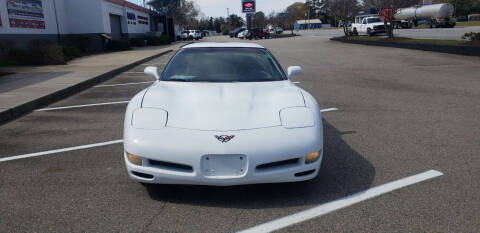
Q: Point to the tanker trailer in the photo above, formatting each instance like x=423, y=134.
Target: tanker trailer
x=435, y=15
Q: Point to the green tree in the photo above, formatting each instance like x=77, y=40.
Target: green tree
x=235, y=21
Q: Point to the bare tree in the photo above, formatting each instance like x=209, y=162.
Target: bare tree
x=343, y=10
x=259, y=19
x=183, y=12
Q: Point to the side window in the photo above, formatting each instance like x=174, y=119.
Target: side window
x=364, y=21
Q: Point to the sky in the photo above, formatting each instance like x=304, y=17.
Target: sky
x=216, y=8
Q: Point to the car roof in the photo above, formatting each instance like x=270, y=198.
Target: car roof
x=223, y=45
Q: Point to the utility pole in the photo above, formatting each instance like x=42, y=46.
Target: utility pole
x=228, y=19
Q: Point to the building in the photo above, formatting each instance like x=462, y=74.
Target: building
x=364, y=13
x=22, y=21
x=309, y=24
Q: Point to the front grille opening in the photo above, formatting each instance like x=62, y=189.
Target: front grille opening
x=142, y=175
x=305, y=173
x=171, y=166
x=278, y=164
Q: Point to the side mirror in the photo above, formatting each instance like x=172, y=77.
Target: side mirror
x=152, y=71
x=294, y=70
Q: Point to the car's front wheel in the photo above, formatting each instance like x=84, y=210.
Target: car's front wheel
x=369, y=32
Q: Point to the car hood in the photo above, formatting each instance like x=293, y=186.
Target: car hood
x=223, y=106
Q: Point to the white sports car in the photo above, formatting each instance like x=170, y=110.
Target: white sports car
x=223, y=114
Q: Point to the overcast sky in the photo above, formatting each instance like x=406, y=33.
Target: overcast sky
x=217, y=8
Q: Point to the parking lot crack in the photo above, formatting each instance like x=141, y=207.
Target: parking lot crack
x=150, y=221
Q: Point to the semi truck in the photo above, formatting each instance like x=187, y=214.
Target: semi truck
x=434, y=15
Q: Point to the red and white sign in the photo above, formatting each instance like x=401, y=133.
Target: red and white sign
x=24, y=23
x=26, y=14
x=248, y=6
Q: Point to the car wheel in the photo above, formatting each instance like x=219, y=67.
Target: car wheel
x=369, y=32
x=355, y=32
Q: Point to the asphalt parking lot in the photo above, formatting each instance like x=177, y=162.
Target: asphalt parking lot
x=400, y=113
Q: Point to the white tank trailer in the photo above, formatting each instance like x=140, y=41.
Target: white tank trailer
x=435, y=15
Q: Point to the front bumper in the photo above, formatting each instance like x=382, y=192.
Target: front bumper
x=295, y=172
x=271, y=155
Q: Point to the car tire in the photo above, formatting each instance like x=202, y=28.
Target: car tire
x=355, y=32
x=369, y=32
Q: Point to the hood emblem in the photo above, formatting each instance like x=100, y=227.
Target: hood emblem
x=224, y=138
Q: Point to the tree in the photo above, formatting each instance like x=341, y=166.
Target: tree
x=259, y=20
x=295, y=12
x=343, y=10
x=185, y=14
x=235, y=21
x=217, y=23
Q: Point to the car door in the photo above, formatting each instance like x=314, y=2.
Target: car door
x=363, y=26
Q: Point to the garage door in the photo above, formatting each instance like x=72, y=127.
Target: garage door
x=116, y=27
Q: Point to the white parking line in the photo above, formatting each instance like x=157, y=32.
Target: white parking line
x=123, y=84
x=329, y=110
x=342, y=203
x=80, y=106
x=5, y=159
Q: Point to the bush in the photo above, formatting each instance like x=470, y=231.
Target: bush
x=25, y=57
x=157, y=40
x=137, y=42
x=5, y=45
x=70, y=52
x=79, y=41
x=40, y=52
x=52, y=55
x=472, y=36
x=119, y=45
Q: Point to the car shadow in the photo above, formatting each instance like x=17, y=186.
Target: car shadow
x=343, y=172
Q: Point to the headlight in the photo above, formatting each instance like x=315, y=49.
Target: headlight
x=313, y=157
x=297, y=117
x=149, y=118
x=135, y=159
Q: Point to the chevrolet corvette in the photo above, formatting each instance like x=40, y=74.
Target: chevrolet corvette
x=223, y=114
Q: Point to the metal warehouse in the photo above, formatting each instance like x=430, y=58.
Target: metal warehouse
x=24, y=20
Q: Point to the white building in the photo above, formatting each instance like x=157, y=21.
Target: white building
x=25, y=20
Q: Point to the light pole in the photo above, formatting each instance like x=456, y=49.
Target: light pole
x=228, y=19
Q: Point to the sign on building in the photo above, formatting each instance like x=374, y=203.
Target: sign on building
x=248, y=6
x=26, y=14
x=142, y=20
x=131, y=18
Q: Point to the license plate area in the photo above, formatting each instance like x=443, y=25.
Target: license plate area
x=224, y=165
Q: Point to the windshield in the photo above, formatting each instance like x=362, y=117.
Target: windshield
x=374, y=20
x=223, y=65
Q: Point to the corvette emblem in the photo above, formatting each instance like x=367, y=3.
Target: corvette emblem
x=224, y=138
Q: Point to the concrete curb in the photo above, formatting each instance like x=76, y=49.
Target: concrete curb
x=25, y=108
x=452, y=49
